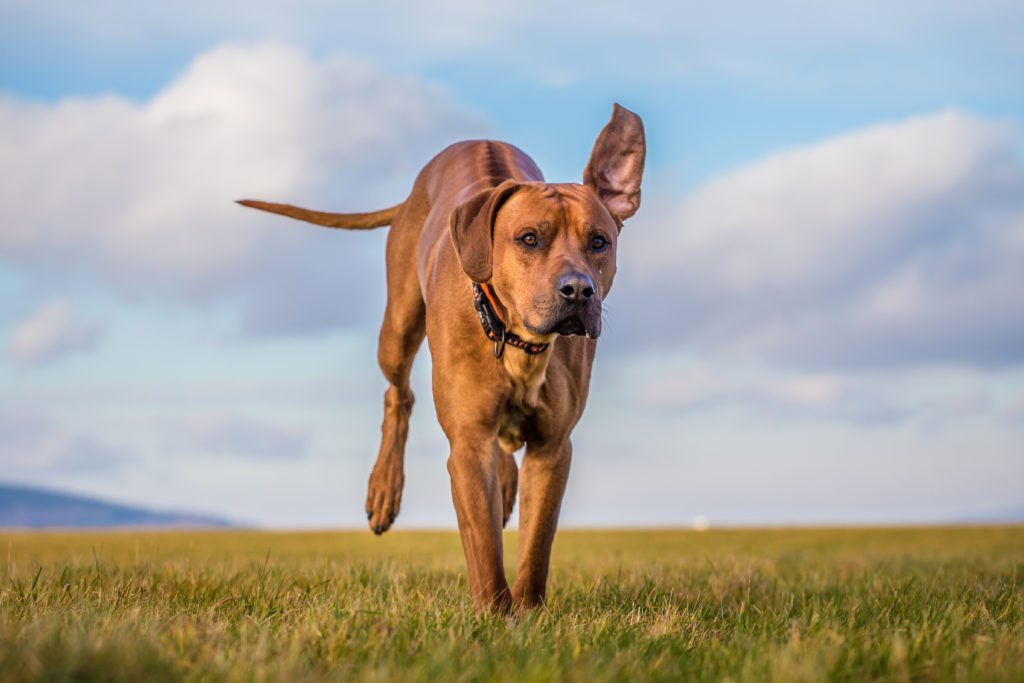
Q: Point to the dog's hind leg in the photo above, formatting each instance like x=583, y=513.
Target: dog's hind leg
x=508, y=474
x=400, y=337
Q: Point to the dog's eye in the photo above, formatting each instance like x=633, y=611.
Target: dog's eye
x=529, y=239
x=598, y=243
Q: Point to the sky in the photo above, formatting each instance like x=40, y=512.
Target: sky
x=818, y=313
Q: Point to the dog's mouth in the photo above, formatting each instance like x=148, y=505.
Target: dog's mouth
x=571, y=325
x=568, y=321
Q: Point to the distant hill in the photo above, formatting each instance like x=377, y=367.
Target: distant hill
x=26, y=507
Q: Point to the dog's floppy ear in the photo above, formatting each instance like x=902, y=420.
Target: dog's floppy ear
x=472, y=228
x=617, y=163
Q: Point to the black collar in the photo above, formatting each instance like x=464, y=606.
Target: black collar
x=494, y=327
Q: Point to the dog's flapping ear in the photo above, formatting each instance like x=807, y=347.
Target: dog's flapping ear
x=616, y=165
x=472, y=228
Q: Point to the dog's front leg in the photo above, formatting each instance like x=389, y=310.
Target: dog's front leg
x=542, y=480
x=476, y=491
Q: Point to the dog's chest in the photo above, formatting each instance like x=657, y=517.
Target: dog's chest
x=526, y=374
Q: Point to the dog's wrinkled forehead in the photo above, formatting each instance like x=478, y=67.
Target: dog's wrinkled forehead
x=555, y=204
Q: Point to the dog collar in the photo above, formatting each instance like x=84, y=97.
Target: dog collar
x=494, y=326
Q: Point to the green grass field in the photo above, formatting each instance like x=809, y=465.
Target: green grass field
x=743, y=605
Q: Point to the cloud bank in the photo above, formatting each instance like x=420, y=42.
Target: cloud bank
x=231, y=434
x=49, y=333
x=804, y=45
x=895, y=244
x=33, y=446
x=139, y=195
x=899, y=244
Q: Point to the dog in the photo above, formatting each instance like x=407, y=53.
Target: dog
x=505, y=275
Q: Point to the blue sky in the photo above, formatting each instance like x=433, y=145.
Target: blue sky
x=817, y=316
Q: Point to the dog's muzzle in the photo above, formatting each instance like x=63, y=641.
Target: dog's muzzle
x=581, y=310
x=572, y=308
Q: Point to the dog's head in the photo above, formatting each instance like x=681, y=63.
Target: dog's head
x=548, y=250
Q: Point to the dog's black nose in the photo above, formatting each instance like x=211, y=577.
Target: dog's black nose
x=575, y=288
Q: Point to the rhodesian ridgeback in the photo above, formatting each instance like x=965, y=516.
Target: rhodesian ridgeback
x=505, y=275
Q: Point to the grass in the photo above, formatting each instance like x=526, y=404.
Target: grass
x=741, y=605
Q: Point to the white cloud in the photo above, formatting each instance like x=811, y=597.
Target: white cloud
x=689, y=38
x=140, y=195
x=897, y=244
x=677, y=385
x=1013, y=411
x=691, y=386
x=50, y=332
x=232, y=434
x=34, y=446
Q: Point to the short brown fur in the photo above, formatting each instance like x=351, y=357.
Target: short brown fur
x=480, y=211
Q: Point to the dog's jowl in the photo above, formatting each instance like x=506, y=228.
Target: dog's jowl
x=505, y=275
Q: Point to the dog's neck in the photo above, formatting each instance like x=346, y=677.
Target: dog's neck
x=493, y=316
x=527, y=361
x=526, y=370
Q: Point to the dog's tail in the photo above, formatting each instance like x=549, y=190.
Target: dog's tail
x=345, y=221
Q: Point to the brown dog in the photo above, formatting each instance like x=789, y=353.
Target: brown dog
x=484, y=255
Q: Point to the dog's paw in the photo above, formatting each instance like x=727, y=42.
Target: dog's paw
x=384, y=498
